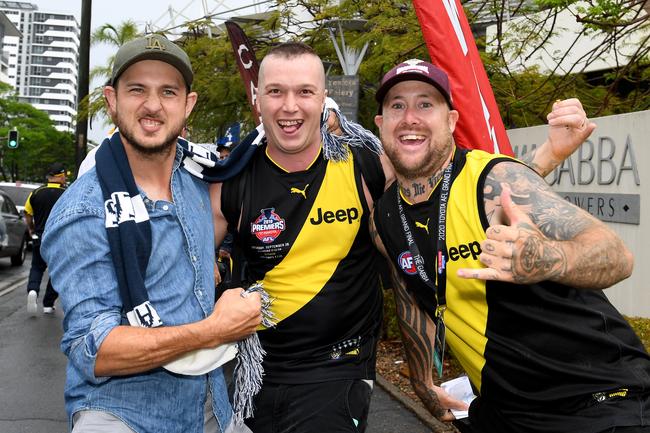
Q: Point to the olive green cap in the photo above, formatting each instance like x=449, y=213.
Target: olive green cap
x=152, y=47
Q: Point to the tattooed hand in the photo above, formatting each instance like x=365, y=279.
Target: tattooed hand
x=518, y=252
x=438, y=402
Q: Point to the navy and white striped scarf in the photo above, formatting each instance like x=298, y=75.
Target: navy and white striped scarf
x=127, y=220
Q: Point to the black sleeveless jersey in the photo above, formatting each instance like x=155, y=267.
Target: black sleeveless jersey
x=541, y=355
x=305, y=236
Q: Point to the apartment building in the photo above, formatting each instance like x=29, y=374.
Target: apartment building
x=7, y=28
x=43, y=62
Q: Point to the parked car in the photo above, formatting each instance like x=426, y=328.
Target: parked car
x=13, y=231
x=18, y=192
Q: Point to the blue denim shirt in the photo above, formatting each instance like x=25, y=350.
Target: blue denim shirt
x=180, y=284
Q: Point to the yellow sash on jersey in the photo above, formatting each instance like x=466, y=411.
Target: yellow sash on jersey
x=325, y=239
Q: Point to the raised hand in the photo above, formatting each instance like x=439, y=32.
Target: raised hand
x=569, y=127
x=517, y=252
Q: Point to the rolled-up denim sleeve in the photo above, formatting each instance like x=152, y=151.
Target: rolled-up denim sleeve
x=75, y=246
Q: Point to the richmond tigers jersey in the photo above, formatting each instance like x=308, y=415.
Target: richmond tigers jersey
x=536, y=352
x=305, y=236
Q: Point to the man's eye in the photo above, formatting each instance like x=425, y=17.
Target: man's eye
x=397, y=106
x=169, y=92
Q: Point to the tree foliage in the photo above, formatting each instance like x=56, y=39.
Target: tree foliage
x=41, y=144
x=93, y=104
x=393, y=34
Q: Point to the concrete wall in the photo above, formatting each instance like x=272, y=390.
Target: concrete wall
x=606, y=178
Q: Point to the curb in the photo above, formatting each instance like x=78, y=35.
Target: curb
x=421, y=413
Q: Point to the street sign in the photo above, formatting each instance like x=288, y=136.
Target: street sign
x=344, y=89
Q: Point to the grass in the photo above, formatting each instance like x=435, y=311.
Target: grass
x=642, y=328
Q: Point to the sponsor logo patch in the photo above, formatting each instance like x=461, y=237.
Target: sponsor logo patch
x=406, y=263
x=268, y=226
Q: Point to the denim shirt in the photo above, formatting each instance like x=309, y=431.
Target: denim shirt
x=180, y=285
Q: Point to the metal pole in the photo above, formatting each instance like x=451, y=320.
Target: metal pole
x=81, y=132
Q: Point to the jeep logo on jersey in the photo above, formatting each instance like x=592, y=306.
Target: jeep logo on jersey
x=406, y=263
x=268, y=226
x=341, y=215
x=463, y=251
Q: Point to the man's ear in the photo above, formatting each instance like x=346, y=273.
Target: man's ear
x=110, y=97
x=452, y=119
x=379, y=119
x=190, y=101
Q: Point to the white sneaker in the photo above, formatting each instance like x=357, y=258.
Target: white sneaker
x=48, y=310
x=32, y=307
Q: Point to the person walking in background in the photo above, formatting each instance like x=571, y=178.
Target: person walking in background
x=38, y=206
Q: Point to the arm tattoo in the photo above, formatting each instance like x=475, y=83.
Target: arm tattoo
x=555, y=217
x=418, y=332
x=528, y=158
x=580, y=251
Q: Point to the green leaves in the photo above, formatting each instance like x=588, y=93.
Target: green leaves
x=41, y=144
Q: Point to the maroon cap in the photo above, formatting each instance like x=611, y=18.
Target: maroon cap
x=415, y=69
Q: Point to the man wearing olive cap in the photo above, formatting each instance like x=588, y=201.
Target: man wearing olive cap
x=130, y=243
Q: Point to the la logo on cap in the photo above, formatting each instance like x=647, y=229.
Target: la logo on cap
x=412, y=65
x=154, y=43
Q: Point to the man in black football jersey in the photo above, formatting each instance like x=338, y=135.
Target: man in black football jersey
x=300, y=213
x=487, y=257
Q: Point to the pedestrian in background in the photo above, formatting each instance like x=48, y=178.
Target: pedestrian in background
x=38, y=206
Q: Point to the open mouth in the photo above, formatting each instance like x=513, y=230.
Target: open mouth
x=290, y=126
x=150, y=125
x=411, y=139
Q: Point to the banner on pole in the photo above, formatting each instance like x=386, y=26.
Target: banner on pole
x=451, y=46
x=246, y=62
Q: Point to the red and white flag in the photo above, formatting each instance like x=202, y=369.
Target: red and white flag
x=451, y=46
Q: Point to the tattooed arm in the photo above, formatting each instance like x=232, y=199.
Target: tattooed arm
x=418, y=334
x=569, y=127
x=535, y=235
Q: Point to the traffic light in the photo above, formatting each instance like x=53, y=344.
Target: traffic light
x=12, y=141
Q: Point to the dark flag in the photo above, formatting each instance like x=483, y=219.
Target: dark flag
x=246, y=62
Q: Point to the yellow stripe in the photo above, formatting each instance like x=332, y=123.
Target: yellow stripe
x=467, y=309
x=318, y=249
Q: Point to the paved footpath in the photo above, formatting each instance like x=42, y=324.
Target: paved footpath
x=32, y=373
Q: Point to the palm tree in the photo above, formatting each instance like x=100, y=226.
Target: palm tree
x=93, y=104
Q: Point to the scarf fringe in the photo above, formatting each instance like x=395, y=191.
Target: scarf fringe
x=354, y=135
x=248, y=370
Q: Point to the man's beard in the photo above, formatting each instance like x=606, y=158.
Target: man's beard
x=163, y=148
x=428, y=166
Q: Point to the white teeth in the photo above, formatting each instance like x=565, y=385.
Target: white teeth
x=149, y=122
x=412, y=137
x=289, y=122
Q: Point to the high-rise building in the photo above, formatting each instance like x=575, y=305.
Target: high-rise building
x=43, y=62
x=7, y=28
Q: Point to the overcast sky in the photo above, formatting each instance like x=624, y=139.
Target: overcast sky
x=142, y=12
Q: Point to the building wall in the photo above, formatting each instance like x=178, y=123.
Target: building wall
x=7, y=28
x=43, y=63
x=518, y=46
x=606, y=178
